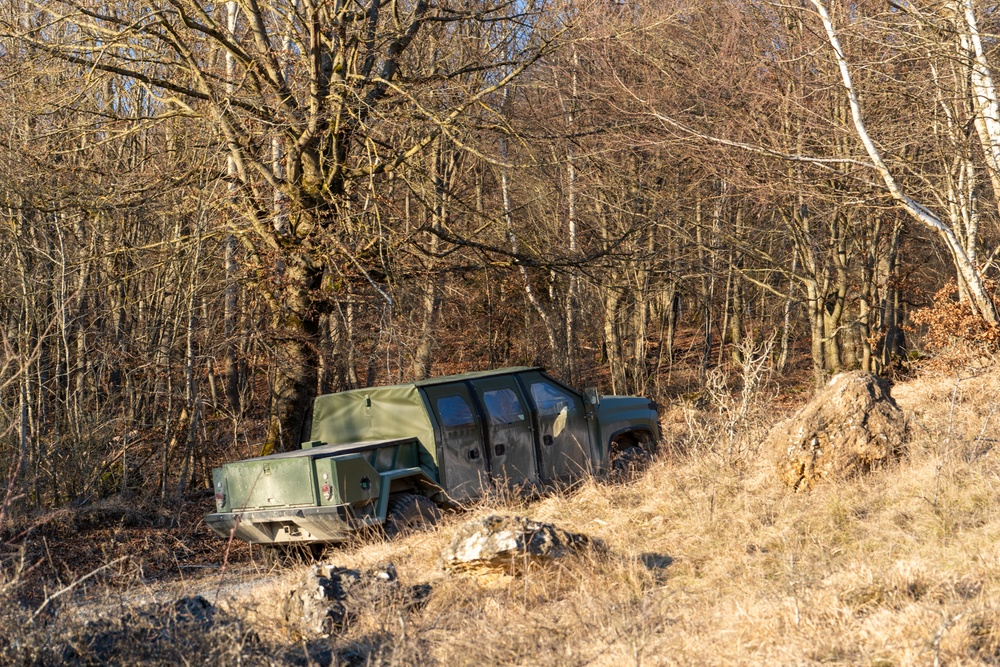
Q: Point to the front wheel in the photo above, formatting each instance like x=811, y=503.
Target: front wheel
x=408, y=512
x=630, y=453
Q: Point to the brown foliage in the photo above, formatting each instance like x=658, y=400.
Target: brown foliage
x=952, y=321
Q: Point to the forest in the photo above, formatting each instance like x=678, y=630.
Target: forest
x=210, y=212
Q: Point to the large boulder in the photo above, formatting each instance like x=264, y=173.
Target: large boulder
x=850, y=427
x=510, y=543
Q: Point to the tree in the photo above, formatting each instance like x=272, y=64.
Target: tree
x=319, y=104
x=986, y=120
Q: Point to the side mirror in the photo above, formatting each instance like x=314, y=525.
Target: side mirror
x=592, y=396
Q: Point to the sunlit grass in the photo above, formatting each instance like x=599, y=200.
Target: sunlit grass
x=710, y=561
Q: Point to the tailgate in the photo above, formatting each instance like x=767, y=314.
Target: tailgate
x=271, y=482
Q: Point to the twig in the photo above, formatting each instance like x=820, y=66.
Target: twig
x=947, y=442
x=225, y=556
x=69, y=587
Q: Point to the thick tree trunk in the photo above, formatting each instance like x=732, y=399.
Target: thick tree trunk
x=864, y=322
x=814, y=305
x=612, y=341
x=295, y=371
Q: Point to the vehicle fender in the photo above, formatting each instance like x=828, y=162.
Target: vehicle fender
x=417, y=475
x=633, y=429
x=620, y=414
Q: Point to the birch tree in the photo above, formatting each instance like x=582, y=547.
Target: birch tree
x=986, y=118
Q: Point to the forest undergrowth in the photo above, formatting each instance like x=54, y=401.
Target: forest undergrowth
x=709, y=560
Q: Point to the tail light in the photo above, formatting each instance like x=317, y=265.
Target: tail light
x=220, y=496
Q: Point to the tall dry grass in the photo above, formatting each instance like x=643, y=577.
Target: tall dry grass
x=710, y=561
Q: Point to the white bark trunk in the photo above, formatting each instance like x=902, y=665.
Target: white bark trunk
x=983, y=89
x=979, y=299
x=231, y=367
x=529, y=290
x=571, y=288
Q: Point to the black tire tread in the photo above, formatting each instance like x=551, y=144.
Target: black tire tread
x=409, y=511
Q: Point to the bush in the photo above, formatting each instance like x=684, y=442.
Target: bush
x=953, y=323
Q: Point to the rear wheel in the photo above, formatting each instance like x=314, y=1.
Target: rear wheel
x=408, y=512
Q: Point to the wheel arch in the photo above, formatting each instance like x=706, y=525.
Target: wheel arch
x=407, y=480
x=630, y=436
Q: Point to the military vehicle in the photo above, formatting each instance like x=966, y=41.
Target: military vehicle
x=391, y=456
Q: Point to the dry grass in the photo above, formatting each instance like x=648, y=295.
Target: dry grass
x=710, y=561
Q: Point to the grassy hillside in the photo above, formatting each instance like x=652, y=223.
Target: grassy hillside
x=709, y=561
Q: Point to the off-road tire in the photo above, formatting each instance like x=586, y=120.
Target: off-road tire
x=630, y=459
x=408, y=512
x=630, y=455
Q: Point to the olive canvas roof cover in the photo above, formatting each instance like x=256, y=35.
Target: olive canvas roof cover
x=386, y=413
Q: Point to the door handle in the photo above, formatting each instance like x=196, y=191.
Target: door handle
x=500, y=450
x=547, y=440
x=473, y=454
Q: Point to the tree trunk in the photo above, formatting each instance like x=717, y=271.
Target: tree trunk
x=612, y=341
x=815, y=308
x=431, y=300
x=979, y=299
x=736, y=323
x=230, y=363
x=296, y=362
x=786, y=324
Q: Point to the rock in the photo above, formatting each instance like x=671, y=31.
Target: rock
x=852, y=426
x=510, y=544
x=327, y=597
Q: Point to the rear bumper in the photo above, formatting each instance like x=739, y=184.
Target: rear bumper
x=286, y=526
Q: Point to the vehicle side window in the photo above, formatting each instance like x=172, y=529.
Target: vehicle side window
x=551, y=400
x=503, y=406
x=454, y=412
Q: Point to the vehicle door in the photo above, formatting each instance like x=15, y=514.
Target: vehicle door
x=566, y=450
x=509, y=433
x=462, y=461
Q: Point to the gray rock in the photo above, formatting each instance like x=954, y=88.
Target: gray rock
x=852, y=426
x=510, y=544
x=327, y=598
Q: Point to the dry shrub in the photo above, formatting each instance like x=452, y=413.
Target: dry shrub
x=739, y=407
x=954, y=330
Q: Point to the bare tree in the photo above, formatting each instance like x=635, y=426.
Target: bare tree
x=985, y=96
x=337, y=103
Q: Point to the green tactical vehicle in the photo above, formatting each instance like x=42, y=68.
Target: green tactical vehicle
x=391, y=456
